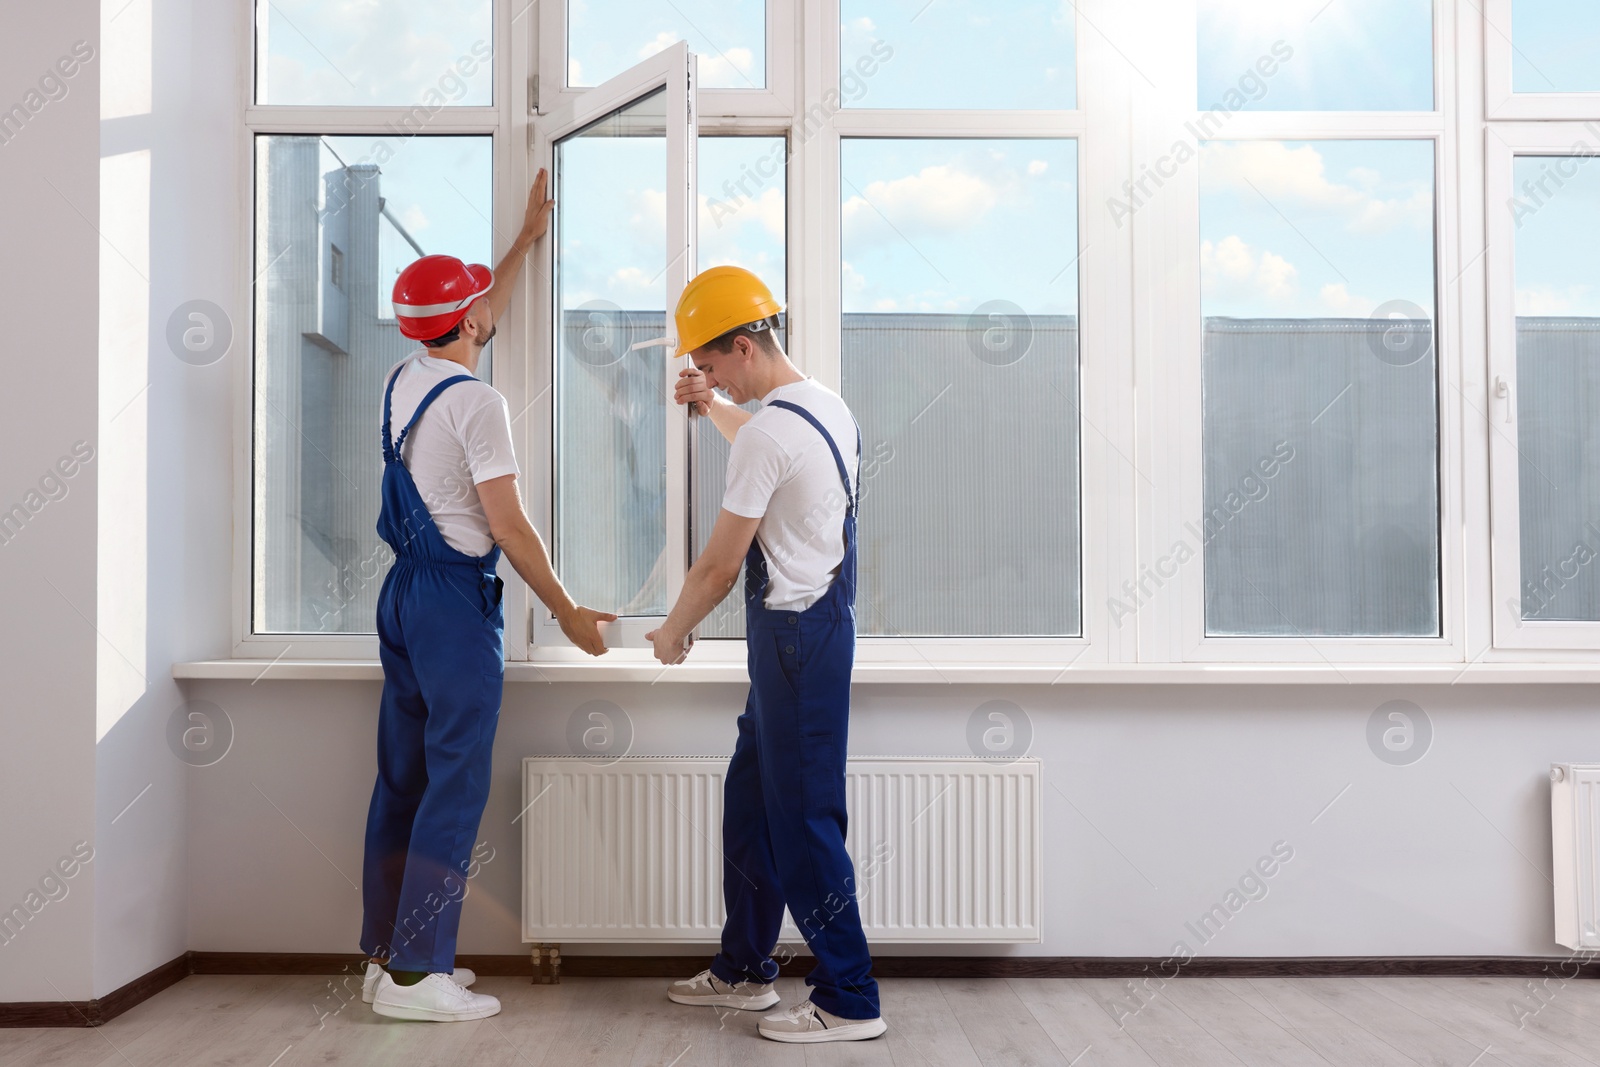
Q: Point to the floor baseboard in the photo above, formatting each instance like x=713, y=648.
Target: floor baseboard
x=96, y=1012
x=100, y=1010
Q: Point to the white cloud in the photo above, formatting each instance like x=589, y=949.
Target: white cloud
x=1365, y=177
x=937, y=199
x=851, y=279
x=1231, y=269
x=1276, y=276
x=1299, y=175
x=650, y=208
x=1336, y=297
x=366, y=54
x=862, y=25
x=732, y=67
x=663, y=41
x=413, y=219
x=574, y=72
x=631, y=282
x=1037, y=167
x=1548, y=300
x=765, y=210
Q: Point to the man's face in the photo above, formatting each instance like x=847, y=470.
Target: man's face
x=482, y=327
x=723, y=370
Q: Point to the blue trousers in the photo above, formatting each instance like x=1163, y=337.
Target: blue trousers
x=439, y=638
x=783, y=818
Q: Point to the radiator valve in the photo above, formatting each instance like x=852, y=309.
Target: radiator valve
x=546, y=964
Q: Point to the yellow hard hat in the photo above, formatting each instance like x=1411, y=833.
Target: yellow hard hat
x=718, y=300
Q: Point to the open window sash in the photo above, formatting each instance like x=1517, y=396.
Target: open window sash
x=621, y=249
x=1544, y=547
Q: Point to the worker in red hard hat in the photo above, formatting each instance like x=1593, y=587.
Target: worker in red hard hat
x=450, y=508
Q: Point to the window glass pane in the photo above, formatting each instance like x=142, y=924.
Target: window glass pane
x=1314, y=55
x=611, y=411
x=1553, y=46
x=742, y=222
x=606, y=37
x=1320, y=414
x=960, y=301
x=430, y=54
x=957, y=54
x=1558, y=386
x=336, y=219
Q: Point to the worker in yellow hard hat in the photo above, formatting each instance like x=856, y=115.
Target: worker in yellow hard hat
x=789, y=516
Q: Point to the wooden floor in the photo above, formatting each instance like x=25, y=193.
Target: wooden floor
x=278, y=1021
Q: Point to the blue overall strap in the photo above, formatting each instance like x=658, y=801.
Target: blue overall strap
x=391, y=452
x=852, y=489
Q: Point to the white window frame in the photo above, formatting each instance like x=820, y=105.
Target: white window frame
x=812, y=254
x=1504, y=143
x=773, y=101
x=503, y=121
x=1500, y=101
x=1139, y=357
x=821, y=316
x=1167, y=298
x=671, y=71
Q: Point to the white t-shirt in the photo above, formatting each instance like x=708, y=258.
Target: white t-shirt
x=781, y=471
x=462, y=439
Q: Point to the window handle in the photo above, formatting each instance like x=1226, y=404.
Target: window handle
x=1502, y=391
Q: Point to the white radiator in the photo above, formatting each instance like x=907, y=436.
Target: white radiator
x=945, y=850
x=1575, y=852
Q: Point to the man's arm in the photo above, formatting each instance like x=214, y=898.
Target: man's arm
x=511, y=530
x=725, y=414
x=710, y=579
x=535, y=221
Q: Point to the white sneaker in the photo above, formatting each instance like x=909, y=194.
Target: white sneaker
x=461, y=976
x=805, y=1022
x=434, y=999
x=707, y=988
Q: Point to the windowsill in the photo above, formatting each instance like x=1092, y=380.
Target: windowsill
x=922, y=673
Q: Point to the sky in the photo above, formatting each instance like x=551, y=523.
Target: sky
x=606, y=37
x=1554, y=43
x=1345, y=55
x=373, y=52
x=947, y=225
x=1287, y=229
x=614, y=216
x=1307, y=229
x=440, y=188
x=1024, y=47
x=961, y=53
x=1557, y=275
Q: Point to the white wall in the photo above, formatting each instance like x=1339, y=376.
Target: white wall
x=48, y=184
x=97, y=583
x=1158, y=797
x=168, y=191
x=1157, y=800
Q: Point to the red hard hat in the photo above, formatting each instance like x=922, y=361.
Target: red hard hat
x=434, y=293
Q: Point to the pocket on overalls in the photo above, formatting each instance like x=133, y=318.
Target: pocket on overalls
x=492, y=594
x=821, y=777
x=786, y=655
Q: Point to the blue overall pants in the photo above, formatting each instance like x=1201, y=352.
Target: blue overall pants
x=440, y=623
x=783, y=816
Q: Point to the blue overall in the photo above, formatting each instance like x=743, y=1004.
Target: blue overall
x=439, y=637
x=783, y=816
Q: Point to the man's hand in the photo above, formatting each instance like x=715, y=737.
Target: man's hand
x=582, y=627
x=536, y=219
x=535, y=222
x=692, y=389
x=670, y=649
